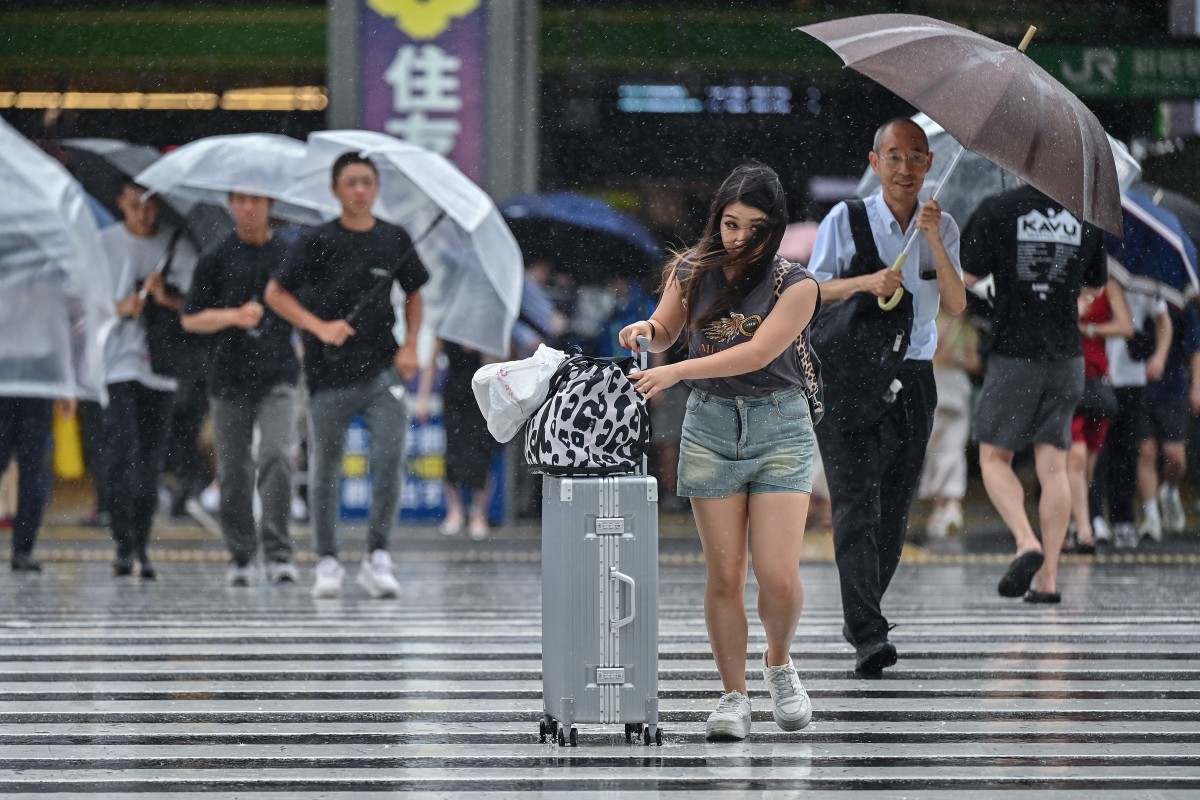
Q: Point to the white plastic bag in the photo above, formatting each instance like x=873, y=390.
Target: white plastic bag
x=508, y=393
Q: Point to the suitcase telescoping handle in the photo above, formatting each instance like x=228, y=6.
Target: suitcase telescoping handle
x=623, y=578
x=643, y=360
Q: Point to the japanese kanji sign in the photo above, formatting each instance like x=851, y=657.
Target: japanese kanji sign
x=422, y=75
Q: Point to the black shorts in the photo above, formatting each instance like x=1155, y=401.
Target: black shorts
x=1163, y=419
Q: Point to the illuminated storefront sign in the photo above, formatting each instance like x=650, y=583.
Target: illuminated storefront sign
x=422, y=75
x=656, y=98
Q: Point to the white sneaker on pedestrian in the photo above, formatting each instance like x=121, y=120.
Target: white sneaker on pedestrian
x=1151, y=527
x=1124, y=536
x=1173, y=518
x=1100, y=530
x=328, y=578
x=478, y=529
x=239, y=575
x=790, y=704
x=731, y=719
x=282, y=572
x=376, y=576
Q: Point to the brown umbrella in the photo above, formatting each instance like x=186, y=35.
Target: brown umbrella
x=993, y=99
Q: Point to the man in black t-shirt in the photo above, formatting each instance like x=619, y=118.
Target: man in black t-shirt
x=252, y=383
x=1040, y=256
x=354, y=367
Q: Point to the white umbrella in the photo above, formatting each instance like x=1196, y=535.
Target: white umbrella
x=56, y=306
x=207, y=170
x=475, y=266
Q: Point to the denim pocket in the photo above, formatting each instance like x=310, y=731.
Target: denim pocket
x=695, y=400
x=792, y=407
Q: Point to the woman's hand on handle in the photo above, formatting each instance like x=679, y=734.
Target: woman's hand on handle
x=629, y=335
x=652, y=382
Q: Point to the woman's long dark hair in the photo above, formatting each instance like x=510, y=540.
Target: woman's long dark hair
x=752, y=184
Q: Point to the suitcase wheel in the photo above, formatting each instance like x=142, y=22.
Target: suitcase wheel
x=562, y=737
x=542, y=731
x=658, y=737
x=574, y=737
x=646, y=736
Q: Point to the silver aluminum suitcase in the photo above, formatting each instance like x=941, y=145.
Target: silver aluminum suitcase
x=600, y=605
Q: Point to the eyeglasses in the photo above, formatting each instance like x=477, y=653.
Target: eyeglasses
x=915, y=160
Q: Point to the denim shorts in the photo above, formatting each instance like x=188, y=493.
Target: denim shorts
x=746, y=444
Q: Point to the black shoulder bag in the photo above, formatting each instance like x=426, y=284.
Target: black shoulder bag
x=861, y=345
x=171, y=349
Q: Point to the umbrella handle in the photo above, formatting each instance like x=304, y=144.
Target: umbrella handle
x=894, y=300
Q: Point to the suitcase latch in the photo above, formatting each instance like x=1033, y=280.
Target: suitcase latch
x=610, y=525
x=610, y=675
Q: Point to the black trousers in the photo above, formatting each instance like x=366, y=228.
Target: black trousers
x=873, y=476
x=25, y=431
x=136, y=424
x=1116, y=468
x=95, y=454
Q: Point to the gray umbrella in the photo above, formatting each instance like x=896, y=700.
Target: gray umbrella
x=993, y=99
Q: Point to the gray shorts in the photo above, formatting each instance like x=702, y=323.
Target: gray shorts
x=1026, y=402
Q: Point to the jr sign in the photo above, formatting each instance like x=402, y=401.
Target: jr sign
x=1124, y=72
x=422, y=75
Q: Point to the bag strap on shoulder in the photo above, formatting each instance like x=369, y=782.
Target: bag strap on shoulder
x=860, y=231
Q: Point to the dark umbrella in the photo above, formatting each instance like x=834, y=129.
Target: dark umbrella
x=993, y=99
x=585, y=237
x=1182, y=206
x=1156, y=256
x=104, y=166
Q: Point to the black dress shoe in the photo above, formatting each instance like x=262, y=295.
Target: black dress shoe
x=24, y=562
x=122, y=567
x=147, y=571
x=872, y=659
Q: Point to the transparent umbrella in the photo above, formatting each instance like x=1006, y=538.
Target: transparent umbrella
x=475, y=266
x=55, y=300
x=205, y=171
x=959, y=191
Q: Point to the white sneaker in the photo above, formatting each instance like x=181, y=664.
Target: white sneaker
x=239, y=576
x=478, y=530
x=1173, y=517
x=731, y=719
x=282, y=572
x=1151, y=527
x=1100, y=530
x=790, y=704
x=328, y=578
x=376, y=576
x=1124, y=536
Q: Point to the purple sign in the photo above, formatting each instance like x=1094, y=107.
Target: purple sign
x=422, y=75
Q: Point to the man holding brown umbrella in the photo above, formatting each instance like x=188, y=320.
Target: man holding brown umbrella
x=873, y=463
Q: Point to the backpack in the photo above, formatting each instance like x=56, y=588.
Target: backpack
x=863, y=345
x=594, y=422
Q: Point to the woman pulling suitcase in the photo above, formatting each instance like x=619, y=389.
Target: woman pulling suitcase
x=747, y=448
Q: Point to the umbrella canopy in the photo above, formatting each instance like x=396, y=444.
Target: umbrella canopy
x=975, y=177
x=1156, y=256
x=205, y=171
x=104, y=166
x=585, y=237
x=993, y=99
x=474, y=293
x=56, y=304
x=1182, y=206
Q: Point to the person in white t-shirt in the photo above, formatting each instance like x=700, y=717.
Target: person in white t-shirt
x=1116, y=471
x=138, y=417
